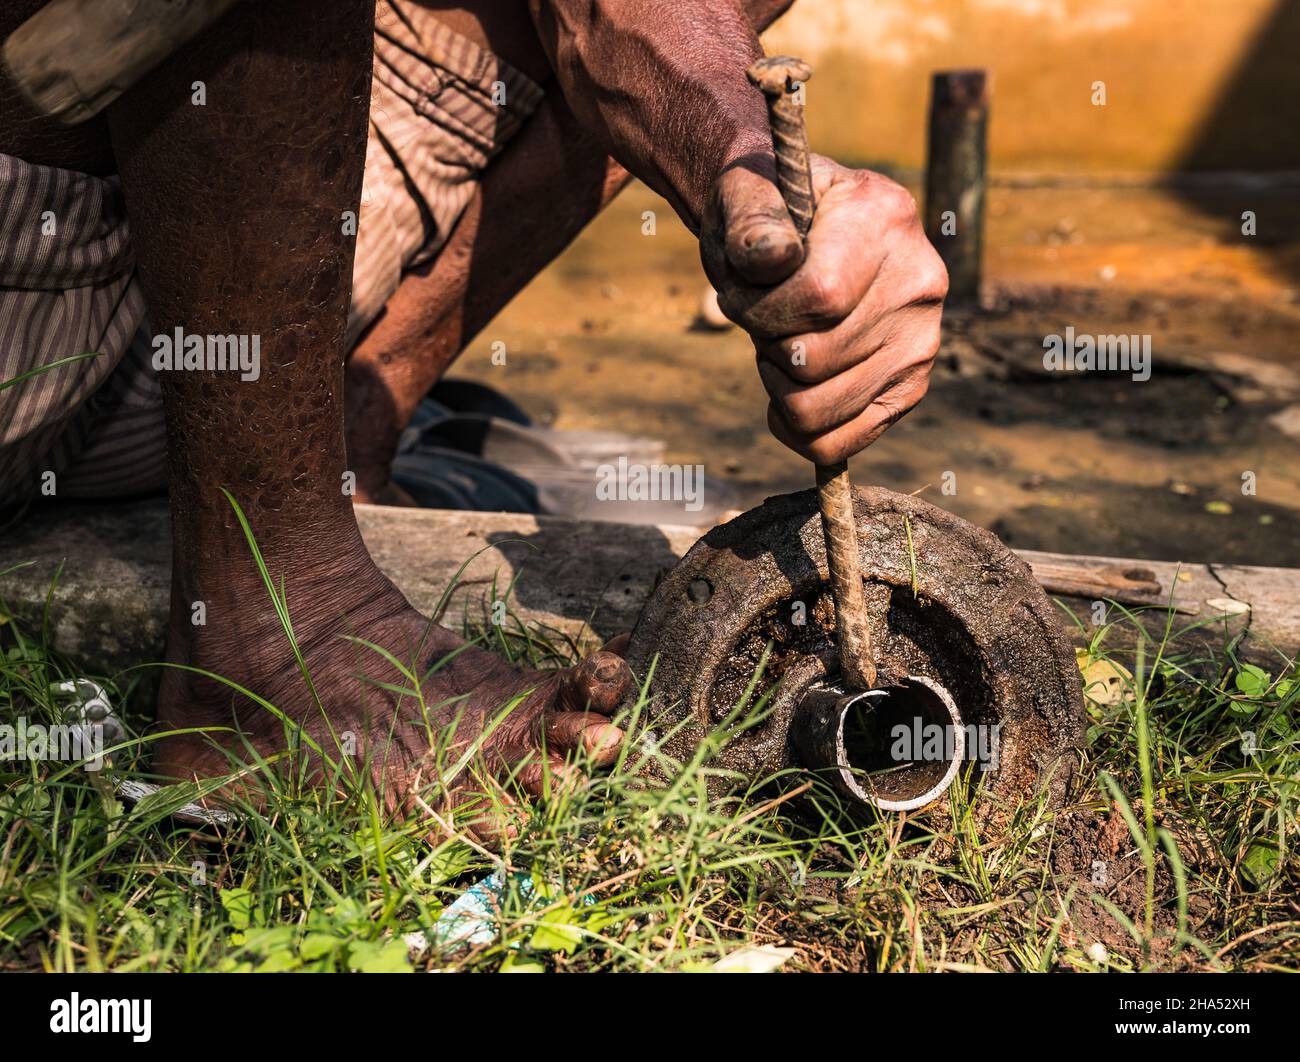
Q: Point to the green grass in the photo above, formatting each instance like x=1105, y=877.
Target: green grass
x=1198, y=838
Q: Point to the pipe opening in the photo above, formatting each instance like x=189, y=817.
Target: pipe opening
x=897, y=748
x=902, y=745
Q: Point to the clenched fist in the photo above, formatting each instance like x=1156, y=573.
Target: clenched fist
x=846, y=330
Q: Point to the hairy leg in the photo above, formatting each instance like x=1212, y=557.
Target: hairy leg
x=501, y=242
x=236, y=209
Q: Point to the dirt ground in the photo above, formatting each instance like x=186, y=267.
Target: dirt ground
x=1079, y=463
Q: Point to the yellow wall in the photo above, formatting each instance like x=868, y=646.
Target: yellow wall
x=1190, y=84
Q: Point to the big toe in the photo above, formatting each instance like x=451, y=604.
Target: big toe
x=598, y=684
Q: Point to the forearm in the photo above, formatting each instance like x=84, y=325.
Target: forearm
x=663, y=86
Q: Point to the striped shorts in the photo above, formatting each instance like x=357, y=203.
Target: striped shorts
x=440, y=109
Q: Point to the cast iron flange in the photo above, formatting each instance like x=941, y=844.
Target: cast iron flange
x=948, y=602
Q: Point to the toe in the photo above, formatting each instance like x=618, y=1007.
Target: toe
x=542, y=778
x=478, y=807
x=584, y=731
x=491, y=815
x=598, y=684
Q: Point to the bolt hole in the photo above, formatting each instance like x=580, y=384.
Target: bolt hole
x=699, y=591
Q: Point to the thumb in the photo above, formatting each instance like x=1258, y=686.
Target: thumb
x=761, y=241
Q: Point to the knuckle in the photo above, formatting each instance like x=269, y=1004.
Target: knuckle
x=804, y=374
x=896, y=203
x=933, y=277
x=799, y=412
x=830, y=298
x=922, y=389
x=899, y=402
x=892, y=407
x=926, y=283
x=825, y=451
x=797, y=361
x=927, y=350
x=729, y=306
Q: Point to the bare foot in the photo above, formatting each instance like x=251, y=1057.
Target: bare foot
x=354, y=710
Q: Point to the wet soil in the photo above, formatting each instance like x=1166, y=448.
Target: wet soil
x=1097, y=862
x=1080, y=463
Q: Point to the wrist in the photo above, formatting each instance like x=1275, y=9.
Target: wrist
x=710, y=158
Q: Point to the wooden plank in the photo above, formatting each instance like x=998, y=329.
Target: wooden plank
x=1217, y=600
x=585, y=579
x=74, y=57
x=108, y=609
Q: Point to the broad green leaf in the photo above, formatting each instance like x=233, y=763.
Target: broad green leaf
x=556, y=931
x=318, y=945
x=376, y=956
x=1252, y=681
x=238, y=905
x=1260, y=863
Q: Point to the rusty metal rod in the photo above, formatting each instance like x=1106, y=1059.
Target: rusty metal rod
x=781, y=77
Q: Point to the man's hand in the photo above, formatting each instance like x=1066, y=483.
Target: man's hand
x=845, y=332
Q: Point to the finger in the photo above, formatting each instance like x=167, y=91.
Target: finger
x=585, y=731
x=809, y=410
x=543, y=777
x=760, y=241
x=599, y=683
x=488, y=813
x=895, y=351
x=853, y=436
x=903, y=296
